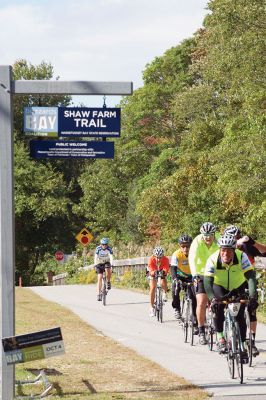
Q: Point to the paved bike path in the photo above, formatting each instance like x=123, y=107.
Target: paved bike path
x=126, y=319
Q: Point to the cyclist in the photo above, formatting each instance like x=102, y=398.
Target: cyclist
x=247, y=244
x=180, y=272
x=201, y=248
x=252, y=249
x=229, y=270
x=103, y=261
x=157, y=262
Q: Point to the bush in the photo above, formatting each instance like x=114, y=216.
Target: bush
x=87, y=277
x=47, y=264
x=132, y=279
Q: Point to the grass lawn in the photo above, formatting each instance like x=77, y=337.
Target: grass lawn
x=94, y=366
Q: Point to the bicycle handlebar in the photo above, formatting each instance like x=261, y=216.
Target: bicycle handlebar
x=159, y=273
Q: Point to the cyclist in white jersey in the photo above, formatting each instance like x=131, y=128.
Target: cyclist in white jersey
x=103, y=261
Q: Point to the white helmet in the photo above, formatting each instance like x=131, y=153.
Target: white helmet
x=207, y=228
x=158, y=251
x=227, y=242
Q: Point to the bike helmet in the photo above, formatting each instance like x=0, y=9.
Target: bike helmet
x=232, y=230
x=227, y=242
x=158, y=251
x=185, y=239
x=207, y=228
x=104, y=241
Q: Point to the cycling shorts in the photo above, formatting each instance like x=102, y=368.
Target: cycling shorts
x=252, y=314
x=199, y=287
x=100, y=268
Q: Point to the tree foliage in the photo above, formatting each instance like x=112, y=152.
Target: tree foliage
x=192, y=147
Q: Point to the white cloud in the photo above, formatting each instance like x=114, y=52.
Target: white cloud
x=96, y=39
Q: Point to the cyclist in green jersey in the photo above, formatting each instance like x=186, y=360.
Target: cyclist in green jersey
x=252, y=249
x=226, y=270
x=201, y=248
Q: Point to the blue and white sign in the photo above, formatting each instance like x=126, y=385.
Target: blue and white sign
x=72, y=121
x=41, y=121
x=71, y=149
x=89, y=122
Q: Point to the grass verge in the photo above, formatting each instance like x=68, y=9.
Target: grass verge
x=94, y=366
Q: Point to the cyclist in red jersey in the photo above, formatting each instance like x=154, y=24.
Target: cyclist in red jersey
x=157, y=262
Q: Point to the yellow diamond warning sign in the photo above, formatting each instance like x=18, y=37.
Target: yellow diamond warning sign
x=84, y=237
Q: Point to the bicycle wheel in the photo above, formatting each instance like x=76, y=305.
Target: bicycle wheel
x=209, y=330
x=249, y=337
x=230, y=358
x=158, y=290
x=104, y=293
x=239, y=362
x=185, y=321
x=160, y=306
x=182, y=301
x=190, y=323
x=229, y=346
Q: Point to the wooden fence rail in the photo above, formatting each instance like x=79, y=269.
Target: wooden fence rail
x=136, y=264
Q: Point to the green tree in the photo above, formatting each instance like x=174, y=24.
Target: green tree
x=44, y=190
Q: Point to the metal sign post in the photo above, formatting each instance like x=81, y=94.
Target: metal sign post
x=7, y=310
x=8, y=88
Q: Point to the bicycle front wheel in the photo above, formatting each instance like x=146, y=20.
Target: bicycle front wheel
x=230, y=359
x=157, y=302
x=190, y=323
x=185, y=321
x=182, y=304
x=104, y=294
x=160, y=308
x=209, y=329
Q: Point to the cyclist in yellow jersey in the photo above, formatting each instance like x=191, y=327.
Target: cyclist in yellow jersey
x=226, y=270
x=201, y=248
x=180, y=272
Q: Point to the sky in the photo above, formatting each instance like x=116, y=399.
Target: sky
x=96, y=40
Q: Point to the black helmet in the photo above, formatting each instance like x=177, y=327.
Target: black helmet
x=232, y=230
x=185, y=239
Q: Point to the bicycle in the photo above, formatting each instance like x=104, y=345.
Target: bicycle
x=104, y=290
x=158, y=303
x=187, y=318
x=234, y=345
x=209, y=327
